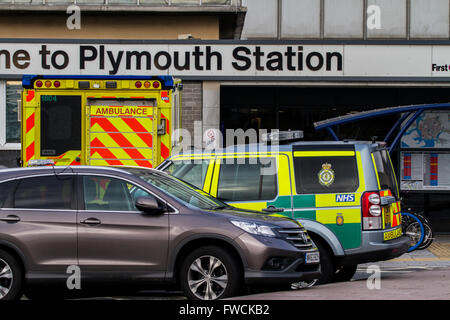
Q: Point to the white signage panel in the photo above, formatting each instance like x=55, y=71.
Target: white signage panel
x=233, y=60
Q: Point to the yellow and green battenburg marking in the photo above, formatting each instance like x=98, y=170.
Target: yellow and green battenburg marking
x=322, y=208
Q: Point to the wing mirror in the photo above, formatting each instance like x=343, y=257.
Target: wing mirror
x=149, y=205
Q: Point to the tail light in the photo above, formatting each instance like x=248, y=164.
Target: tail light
x=371, y=211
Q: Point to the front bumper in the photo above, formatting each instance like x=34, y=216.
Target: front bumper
x=258, y=250
x=374, y=248
x=298, y=272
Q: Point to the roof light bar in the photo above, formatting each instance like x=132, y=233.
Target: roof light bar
x=282, y=136
x=41, y=162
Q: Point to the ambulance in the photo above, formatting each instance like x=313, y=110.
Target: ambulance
x=345, y=194
x=99, y=120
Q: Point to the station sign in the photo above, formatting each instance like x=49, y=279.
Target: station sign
x=227, y=59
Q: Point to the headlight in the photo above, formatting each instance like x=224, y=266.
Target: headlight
x=254, y=228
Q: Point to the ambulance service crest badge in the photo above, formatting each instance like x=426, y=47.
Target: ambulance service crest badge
x=326, y=175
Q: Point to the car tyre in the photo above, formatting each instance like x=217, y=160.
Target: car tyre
x=11, y=277
x=210, y=273
x=326, y=264
x=345, y=273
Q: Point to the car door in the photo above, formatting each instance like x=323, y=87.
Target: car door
x=256, y=182
x=39, y=216
x=113, y=235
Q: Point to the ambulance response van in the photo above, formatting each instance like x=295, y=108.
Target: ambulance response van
x=345, y=194
x=99, y=120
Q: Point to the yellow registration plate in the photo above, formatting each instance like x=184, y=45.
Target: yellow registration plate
x=392, y=234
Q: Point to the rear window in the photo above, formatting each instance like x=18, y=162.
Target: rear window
x=49, y=192
x=325, y=174
x=385, y=171
x=60, y=124
x=5, y=190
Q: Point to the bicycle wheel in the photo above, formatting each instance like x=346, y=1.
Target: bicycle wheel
x=414, y=229
x=428, y=234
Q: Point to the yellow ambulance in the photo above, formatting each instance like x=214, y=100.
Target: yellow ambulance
x=99, y=120
x=344, y=193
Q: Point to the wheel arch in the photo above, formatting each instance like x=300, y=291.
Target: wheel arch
x=15, y=252
x=183, y=249
x=318, y=230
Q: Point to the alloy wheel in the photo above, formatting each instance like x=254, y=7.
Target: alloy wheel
x=207, y=277
x=6, y=278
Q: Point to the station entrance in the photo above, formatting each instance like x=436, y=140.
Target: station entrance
x=297, y=108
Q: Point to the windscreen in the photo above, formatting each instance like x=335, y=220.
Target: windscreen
x=385, y=171
x=178, y=189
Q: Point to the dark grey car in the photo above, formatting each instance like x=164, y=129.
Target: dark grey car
x=82, y=227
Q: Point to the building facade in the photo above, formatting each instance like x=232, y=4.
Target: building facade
x=254, y=64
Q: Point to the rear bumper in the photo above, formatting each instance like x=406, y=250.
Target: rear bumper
x=374, y=248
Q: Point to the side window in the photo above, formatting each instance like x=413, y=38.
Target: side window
x=247, y=181
x=136, y=192
x=48, y=192
x=110, y=194
x=5, y=190
x=193, y=172
x=325, y=174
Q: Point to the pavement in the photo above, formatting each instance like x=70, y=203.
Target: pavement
x=418, y=275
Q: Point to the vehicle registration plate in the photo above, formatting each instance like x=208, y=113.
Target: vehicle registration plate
x=312, y=257
x=392, y=234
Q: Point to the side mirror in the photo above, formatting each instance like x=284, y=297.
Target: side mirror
x=149, y=205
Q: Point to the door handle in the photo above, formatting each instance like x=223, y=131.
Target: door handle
x=10, y=218
x=90, y=221
x=272, y=209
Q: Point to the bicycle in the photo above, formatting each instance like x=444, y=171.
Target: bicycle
x=428, y=232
